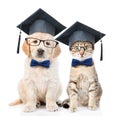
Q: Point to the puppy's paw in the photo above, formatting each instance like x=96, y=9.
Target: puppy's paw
x=73, y=109
x=52, y=107
x=29, y=108
x=92, y=107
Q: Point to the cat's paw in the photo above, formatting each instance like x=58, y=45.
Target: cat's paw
x=38, y=104
x=52, y=108
x=92, y=107
x=29, y=108
x=73, y=109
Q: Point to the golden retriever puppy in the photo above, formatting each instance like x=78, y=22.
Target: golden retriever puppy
x=40, y=83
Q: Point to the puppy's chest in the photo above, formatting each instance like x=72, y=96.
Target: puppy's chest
x=41, y=83
x=39, y=76
x=37, y=72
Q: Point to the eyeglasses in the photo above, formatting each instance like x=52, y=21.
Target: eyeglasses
x=47, y=43
x=78, y=48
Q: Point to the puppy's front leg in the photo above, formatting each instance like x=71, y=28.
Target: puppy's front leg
x=27, y=95
x=51, y=98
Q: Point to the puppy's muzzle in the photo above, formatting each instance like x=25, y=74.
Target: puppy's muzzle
x=40, y=52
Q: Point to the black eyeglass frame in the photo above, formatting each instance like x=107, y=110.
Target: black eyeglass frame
x=26, y=39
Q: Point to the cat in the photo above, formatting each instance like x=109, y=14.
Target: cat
x=83, y=88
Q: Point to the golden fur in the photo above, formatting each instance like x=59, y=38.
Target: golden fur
x=38, y=83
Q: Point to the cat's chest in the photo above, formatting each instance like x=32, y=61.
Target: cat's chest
x=83, y=71
x=83, y=84
x=83, y=76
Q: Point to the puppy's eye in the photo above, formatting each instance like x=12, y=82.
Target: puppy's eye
x=35, y=41
x=47, y=43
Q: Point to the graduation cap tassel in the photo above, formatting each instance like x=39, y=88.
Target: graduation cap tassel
x=101, y=56
x=18, y=46
x=19, y=39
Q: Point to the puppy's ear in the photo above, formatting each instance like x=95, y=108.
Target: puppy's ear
x=57, y=51
x=26, y=48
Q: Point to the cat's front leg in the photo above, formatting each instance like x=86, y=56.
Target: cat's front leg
x=93, y=90
x=92, y=105
x=73, y=95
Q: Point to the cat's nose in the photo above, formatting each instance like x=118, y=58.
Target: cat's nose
x=81, y=52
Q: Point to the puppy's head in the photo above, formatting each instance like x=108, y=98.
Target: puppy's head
x=40, y=52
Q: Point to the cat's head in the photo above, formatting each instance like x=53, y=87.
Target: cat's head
x=82, y=50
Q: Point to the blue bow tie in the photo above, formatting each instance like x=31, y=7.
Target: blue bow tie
x=87, y=62
x=45, y=63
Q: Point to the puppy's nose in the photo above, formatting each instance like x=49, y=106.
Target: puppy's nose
x=40, y=51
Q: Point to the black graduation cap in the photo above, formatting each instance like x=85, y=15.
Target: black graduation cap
x=40, y=21
x=80, y=32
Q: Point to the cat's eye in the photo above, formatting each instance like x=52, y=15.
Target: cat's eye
x=85, y=47
x=77, y=48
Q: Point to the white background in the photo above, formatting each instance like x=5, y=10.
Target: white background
x=103, y=15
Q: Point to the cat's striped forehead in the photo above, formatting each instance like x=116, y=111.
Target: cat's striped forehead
x=82, y=43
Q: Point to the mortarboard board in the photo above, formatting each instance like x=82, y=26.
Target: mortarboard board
x=40, y=21
x=80, y=32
